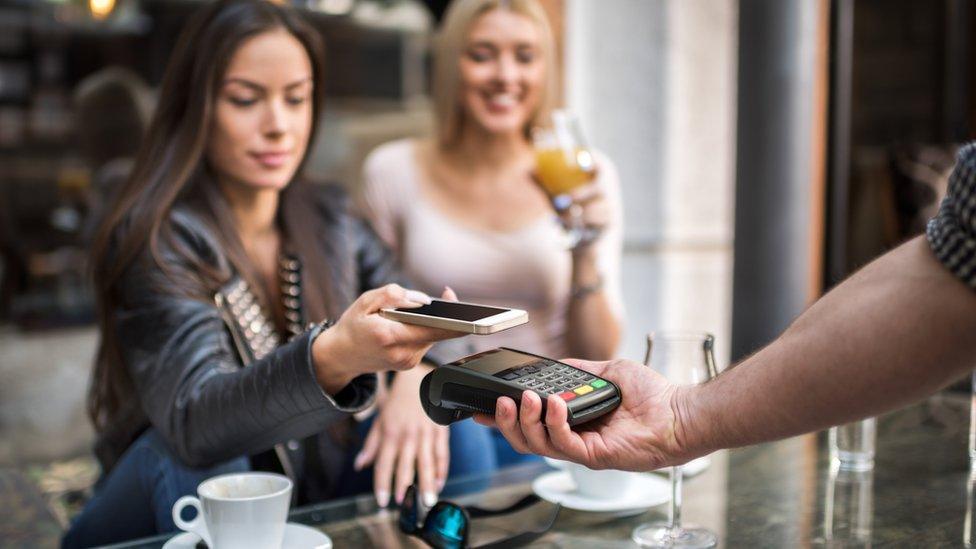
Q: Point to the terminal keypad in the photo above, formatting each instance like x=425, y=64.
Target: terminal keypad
x=547, y=377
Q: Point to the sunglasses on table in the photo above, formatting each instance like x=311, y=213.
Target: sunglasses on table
x=447, y=525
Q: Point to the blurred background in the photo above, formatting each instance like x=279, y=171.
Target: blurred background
x=766, y=148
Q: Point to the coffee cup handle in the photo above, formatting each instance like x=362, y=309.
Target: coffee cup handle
x=197, y=526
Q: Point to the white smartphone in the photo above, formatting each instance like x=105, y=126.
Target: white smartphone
x=471, y=318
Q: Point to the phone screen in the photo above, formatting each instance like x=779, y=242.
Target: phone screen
x=456, y=311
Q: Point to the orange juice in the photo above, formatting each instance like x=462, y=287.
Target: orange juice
x=560, y=171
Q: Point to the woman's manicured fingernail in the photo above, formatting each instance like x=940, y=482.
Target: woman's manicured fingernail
x=418, y=297
x=357, y=464
x=562, y=201
x=430, y=499
x=382, y=498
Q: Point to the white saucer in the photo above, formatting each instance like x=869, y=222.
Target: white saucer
x=647, y=491
x=297, y=536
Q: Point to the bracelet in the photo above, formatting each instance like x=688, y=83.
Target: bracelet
x=585, y=237
x=579, y=292
x=321, y=326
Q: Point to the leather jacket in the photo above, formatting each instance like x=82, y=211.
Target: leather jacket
x=190, y=380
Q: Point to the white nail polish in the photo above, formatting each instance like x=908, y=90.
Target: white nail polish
x=382, y=498
x=430, y=499
x=418, y=297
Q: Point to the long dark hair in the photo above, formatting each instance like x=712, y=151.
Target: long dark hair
x=170, y=167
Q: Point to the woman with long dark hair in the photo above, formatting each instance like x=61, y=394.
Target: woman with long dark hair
x=234, y=335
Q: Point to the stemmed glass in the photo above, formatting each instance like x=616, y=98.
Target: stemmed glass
x=563, y=163
x=684, y=359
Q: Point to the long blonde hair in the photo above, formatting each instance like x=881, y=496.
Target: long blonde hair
x=449, y=44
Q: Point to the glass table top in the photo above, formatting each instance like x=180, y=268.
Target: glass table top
x=780, y=494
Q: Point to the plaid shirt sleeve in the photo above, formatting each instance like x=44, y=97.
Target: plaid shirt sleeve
x=952, y=233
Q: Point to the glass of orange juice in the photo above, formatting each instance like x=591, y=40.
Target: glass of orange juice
x=563, y=163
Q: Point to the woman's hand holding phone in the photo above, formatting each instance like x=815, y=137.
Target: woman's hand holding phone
x=362, y=341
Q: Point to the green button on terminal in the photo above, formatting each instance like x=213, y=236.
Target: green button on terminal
x=598, y=383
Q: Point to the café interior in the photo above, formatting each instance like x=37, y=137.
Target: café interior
x=765, y=150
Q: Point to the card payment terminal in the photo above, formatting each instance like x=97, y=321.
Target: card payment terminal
x=472, y=384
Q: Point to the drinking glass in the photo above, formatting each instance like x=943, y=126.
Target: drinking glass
x=967, y=525
x=848, y=507
x=684, y=359
x=972, y=423
x=563, y=163
x=852, y=445
x=967, y=531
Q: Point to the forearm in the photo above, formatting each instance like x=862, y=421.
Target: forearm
x=893, y=333
x=593, y=328
x=274, y=399
x=411, y=378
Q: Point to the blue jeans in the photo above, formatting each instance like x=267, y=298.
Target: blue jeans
x=505, y=455
x=136, y=498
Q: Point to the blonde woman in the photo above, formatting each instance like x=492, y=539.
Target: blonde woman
x=461, y=209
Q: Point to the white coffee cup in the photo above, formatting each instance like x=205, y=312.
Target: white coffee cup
x=602, y=484
x=239, y=511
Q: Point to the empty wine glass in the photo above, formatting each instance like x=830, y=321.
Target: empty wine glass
x=684, y=359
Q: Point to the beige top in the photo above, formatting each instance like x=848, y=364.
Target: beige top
x=528, y=268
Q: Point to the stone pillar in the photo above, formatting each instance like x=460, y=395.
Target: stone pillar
x=654, y=83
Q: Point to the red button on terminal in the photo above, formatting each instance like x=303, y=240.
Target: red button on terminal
x=567, y=396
